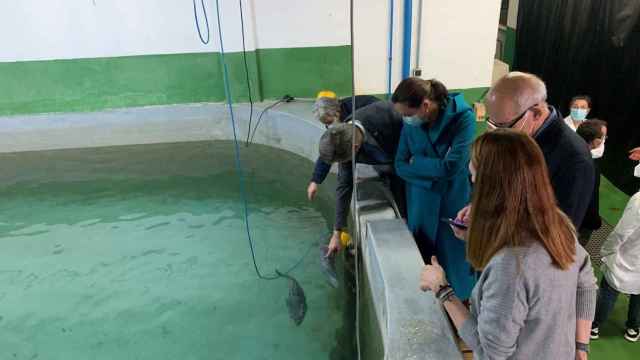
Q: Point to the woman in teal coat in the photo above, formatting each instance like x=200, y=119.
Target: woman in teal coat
x=433, y=157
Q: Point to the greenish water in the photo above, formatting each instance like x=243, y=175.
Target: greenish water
x=140, y=253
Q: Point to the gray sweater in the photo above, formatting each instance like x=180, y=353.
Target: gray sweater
x=523, y=307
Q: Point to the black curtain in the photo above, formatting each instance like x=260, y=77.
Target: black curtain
x=589, y=47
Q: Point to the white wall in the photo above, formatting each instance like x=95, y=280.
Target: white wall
x=457, y=46
x=459, y=40
x=72, y=29
x=512, y=16
x=458, y=36
x=302, y=23
x=68, y=29
x=371, y=40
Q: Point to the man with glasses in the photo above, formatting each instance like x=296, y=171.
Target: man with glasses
x=519, y=101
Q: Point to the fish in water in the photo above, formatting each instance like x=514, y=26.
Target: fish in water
x=296, y=302
x=328, y=264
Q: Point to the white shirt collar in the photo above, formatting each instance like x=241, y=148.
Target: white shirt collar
x=569, y=121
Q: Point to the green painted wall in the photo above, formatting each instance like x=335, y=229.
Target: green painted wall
x=509, y=50
x=510, y=47
x=472, y=95
x=95, y=84
x=301, y=73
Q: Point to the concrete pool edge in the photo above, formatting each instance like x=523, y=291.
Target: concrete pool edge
x=412, y=324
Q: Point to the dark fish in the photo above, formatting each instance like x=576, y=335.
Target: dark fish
x=328, y=265
x=296, y=302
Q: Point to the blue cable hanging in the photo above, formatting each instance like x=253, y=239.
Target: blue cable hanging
x=390, y=56
x=239, y=168
x=206, y=20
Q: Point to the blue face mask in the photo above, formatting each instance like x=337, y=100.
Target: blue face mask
x=579, y=114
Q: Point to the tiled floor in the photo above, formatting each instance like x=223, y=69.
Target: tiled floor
x=594, y=245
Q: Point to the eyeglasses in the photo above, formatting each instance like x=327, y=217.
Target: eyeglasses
x=511, y=123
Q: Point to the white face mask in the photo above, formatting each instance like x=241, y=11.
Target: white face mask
x=598, y=152
x=636, y=171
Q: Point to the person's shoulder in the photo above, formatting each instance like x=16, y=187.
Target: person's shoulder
x=379, y=115
x=507, y=260
x=380, y=104
x=515, y=259
x=367, y=99
x=458, y=105
x=570, y=143
x=634, y=204
x=379, y=109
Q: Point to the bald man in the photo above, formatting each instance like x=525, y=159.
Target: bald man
x=519, y=101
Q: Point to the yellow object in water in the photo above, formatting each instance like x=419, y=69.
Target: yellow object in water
x=327, y=94
x=345, y=239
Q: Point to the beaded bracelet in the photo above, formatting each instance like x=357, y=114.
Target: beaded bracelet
x=447, y=297
x=444, y=294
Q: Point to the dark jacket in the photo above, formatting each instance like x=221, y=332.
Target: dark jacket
x=383, y=125
x=346, y=107
x=321, y=169
x=592, y=220
x=570, y=166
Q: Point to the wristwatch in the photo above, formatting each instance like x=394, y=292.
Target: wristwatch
x=582, y=347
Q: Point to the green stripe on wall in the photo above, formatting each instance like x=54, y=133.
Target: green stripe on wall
x=472, y=95
x=96, y=84
x=510, y=47
x=509, y=50
x=303, y=73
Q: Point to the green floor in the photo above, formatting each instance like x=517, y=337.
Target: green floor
x=612, y=201
x=611, y=344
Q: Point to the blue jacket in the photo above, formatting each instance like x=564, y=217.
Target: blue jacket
x=434, y=163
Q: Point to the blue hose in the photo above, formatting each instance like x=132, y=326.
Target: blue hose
x=406, y=41
x=390, y=58
x=239, y=168
x=243, y=191
x=206, y=20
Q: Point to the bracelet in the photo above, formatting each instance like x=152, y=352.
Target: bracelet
x=442, y=289
x=448, y=297
x=445, y=294
x=582, y=347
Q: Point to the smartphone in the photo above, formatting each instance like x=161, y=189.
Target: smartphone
x=455, y=223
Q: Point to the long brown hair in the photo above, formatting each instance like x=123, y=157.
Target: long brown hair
x=513, y=202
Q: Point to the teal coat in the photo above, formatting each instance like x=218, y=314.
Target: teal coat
x=434, y=162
